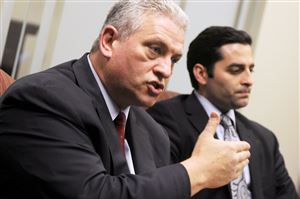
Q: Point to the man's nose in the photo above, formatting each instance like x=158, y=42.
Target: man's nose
x=163, y=68
x=247, y=78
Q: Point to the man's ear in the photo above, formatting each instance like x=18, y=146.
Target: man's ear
x=200, y=74
x=108, y=36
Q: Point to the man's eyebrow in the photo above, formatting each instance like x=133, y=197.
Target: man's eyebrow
x=164, y=45
x=236, y=64
x=178, y=56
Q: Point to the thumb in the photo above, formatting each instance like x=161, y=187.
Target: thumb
x=211, y=125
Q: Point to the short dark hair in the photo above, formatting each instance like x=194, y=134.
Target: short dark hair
x=204, y=49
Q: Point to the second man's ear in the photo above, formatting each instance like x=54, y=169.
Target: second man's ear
x=200, y=74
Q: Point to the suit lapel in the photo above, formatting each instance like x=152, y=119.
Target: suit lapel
x=247, y=135
x=87, y=82
x=194, y=111
x=139, y=144
x=199, y=118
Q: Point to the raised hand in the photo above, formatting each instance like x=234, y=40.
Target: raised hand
x=214, y=162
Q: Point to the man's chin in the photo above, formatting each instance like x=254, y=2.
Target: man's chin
x=148, y=101
x=241, y=104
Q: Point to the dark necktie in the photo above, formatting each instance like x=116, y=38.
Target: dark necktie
x=120, y=122
x=239, y=189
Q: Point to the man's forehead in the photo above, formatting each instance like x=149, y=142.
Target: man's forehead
x=162, y=30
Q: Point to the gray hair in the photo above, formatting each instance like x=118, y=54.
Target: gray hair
x=127, y=15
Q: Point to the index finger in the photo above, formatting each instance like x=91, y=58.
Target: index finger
x=241, y=146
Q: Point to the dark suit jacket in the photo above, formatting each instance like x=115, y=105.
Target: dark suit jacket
x=57, y=140
x=184, y=118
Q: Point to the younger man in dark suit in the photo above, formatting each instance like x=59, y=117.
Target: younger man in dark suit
x=220, y=65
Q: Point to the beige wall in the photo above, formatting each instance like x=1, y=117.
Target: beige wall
x=275, y=98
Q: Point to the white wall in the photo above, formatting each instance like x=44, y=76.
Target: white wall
x=202, y=14
x=5, y=15
x=275, y=97
x=79, y=27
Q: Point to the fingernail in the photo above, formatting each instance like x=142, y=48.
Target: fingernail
x=214, y=115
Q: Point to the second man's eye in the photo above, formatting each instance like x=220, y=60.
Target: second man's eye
x=235, y=69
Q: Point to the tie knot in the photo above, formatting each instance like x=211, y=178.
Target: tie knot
x=226, y=121
x=120, y=120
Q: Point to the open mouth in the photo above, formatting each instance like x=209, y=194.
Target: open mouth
x=156, y=87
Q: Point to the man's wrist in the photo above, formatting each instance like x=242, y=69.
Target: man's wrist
x=197, y=179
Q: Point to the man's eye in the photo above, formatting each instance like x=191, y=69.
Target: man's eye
x=235, y=70
x=174, y=60
x=156, y=49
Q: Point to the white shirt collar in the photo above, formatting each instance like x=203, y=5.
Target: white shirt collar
x=209, y=107
x=112, y=107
